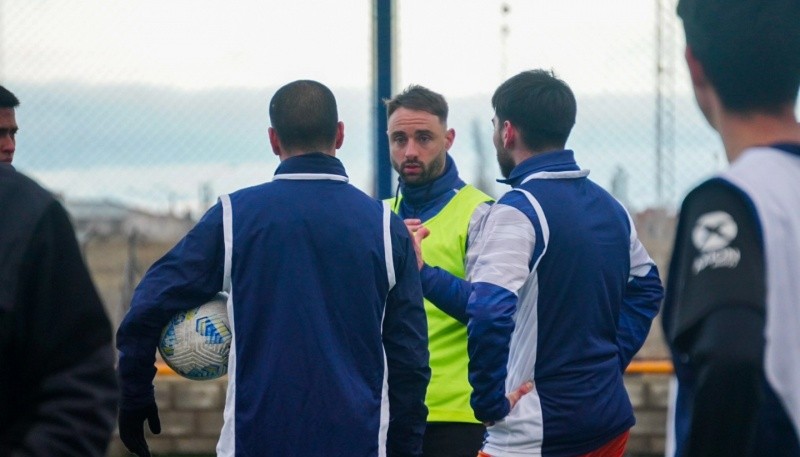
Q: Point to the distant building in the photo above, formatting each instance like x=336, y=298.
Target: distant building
x=106, y=218
x=120, y=243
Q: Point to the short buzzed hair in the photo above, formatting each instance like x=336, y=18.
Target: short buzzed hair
x=418, y=98
x=8, y=99
x=304, y=115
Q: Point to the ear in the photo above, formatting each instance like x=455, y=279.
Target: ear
x=449, y=137
x=509, y=135
x=696, y=71
x=274, y=141
x=704, y=91
x=339, y=135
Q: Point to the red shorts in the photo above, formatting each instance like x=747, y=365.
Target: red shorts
x=614, y=448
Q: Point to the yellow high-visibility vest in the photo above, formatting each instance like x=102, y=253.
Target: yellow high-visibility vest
x=449, y=390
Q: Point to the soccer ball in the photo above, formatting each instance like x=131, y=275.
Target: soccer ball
x=196, y=343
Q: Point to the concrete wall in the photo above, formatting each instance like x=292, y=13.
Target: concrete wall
x=191, y=416
x=649, y=395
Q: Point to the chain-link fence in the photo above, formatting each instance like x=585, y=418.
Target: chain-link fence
x=162, y=105
x=139, y=113
x=638, y=128
x=152, y=108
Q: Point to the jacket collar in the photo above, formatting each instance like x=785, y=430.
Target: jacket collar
x=313, y=165
x=555, y=161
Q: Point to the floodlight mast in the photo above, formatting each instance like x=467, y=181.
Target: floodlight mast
x=665, y=100
x=382, y=80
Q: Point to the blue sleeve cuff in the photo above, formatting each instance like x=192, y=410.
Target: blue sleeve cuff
x=448, y=292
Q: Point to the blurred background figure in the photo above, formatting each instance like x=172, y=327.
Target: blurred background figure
x=732, y=311
x=58, y=390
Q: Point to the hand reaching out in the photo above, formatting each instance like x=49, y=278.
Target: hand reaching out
x=418, y=233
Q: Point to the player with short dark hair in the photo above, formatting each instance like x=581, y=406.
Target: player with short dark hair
x=8, y=99
x=329, y=354
x=542, y=106
x=419, y=98
x=304, y=116
x=560, y=293
x=732, y=312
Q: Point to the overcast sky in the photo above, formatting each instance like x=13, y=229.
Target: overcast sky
x=454, y=45
x=203, y=48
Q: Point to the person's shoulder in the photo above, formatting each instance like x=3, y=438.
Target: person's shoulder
x=718, y=258
x=605, y=195
x=9, y=176
x=256, y=195
x=251, y=191
x=716, y=193
x=717, y=199
x=713, y=184
x=17, y=190
x=514, y=197
x=476, y=193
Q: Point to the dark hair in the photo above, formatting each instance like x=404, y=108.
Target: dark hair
x=418, y=98
x=749, y=49
x=541, y=106
x=303, y=114
x=7, y=99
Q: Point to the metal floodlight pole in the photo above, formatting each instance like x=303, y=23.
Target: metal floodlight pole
x=383, y=58
x=665, y=100
x=659, y=112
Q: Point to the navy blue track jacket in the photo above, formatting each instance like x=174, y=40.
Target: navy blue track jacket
x=329, y=357
x=561, y=292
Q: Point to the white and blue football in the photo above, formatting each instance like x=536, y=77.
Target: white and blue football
x=196, y=343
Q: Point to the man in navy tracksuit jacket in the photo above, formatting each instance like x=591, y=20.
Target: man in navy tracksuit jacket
x=560, y=293
x=329, y=353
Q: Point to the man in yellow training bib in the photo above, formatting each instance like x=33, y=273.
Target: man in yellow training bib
x=430, y=193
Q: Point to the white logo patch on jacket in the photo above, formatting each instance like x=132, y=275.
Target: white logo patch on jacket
x=712, y=235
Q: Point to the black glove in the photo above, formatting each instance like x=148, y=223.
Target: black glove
x=131, y=427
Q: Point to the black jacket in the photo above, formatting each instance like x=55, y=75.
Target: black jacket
x=58, y=389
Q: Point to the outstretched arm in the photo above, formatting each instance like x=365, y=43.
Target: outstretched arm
x=445, y=290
